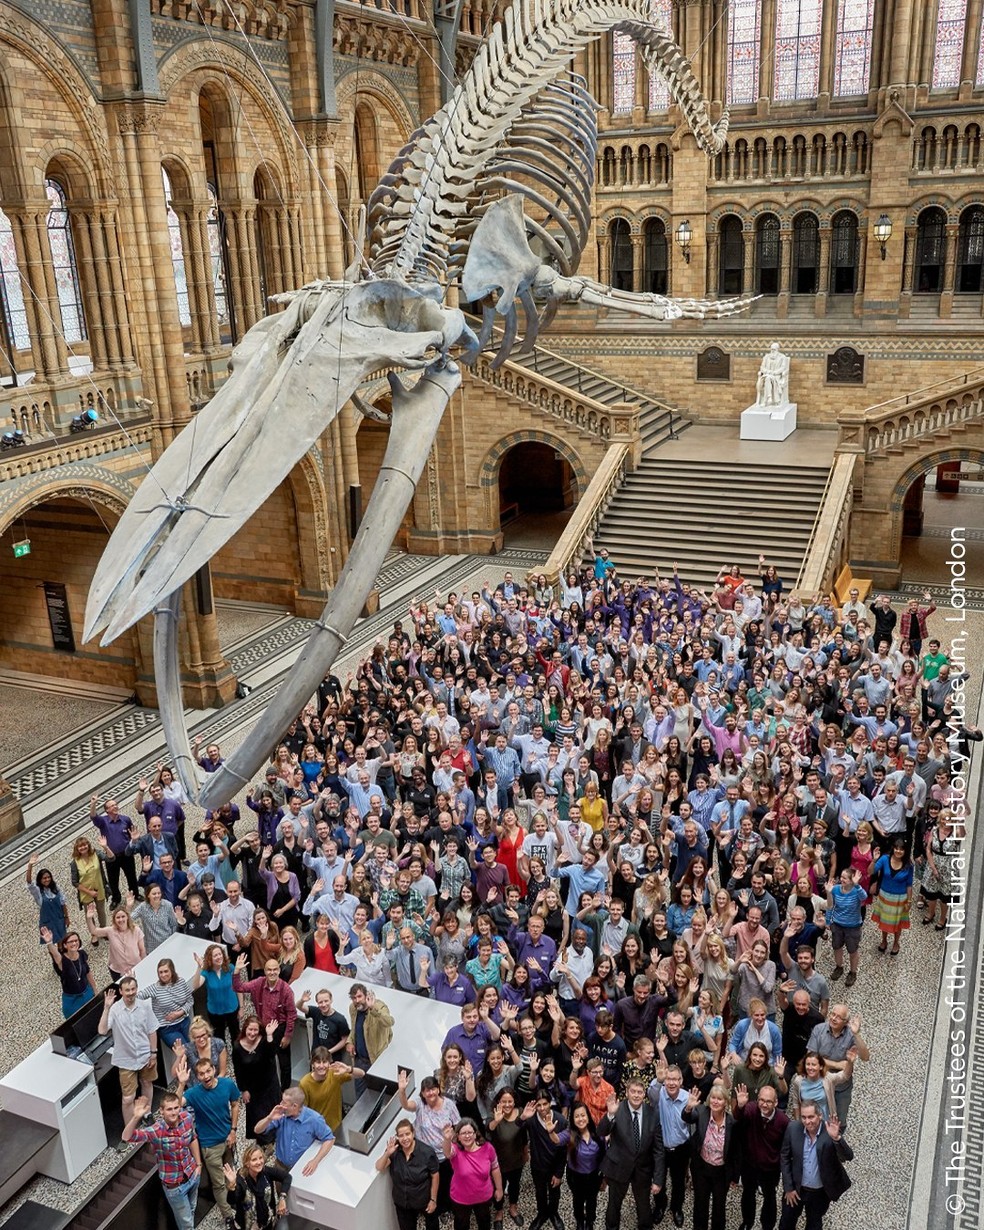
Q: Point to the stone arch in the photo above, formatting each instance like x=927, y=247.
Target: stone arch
x=310, y=504
x=949, y=207
x=68, y=515
x=925, y=464
x=488, y=472
x=77, y=480
x=365, y=81
x=724, y=210
x=56, y=63
x=234, y=69
x=618, y=213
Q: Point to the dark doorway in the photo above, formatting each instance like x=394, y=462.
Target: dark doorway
x=534, y=478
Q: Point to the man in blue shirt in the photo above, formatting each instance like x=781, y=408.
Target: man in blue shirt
x=297, y=1127
x=669, y=1097
x=215, y=1103
x=584, y=877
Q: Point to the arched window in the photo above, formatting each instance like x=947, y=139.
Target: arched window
x=177, y=253
x=797, y=49
x=654, y=277
x=215, y=225
x=951, y=18
x=11, y=291
x=767, y=255
x=930, y=251
x=970, y=251
x=659, y=92
x=65, y=266
x=623, y=73
x=806, y=254
x=620, y=243
x=732, y=256
x=744, y=18
x=852, y=50
x=844, y=253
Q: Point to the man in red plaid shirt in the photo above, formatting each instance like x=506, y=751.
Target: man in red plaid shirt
x=179, y=1158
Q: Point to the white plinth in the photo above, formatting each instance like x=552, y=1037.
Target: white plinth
x=768, y=422
x=346, y=1191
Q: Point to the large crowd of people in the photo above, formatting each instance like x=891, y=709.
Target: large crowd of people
x=612, y=822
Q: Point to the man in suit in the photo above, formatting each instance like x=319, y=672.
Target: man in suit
x=812, y=1164
x=635, y=1156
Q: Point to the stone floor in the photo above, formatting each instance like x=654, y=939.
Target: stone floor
x=33, y=718
x=897, y=998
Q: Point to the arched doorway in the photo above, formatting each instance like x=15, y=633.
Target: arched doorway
x=45, y=587
x=537, y=490
x=620, y=245
x=942, y=500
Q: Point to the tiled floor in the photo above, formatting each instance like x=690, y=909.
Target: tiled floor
x=33, y=718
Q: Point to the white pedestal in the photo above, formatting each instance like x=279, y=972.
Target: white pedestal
x=346, y=1191
x=768, y=422
x=61, y=1093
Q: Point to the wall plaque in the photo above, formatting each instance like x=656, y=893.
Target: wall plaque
x=845, y=366
x=713, y=364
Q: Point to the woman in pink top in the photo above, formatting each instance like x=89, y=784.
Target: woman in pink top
x=475, y=1175
x=126, y=941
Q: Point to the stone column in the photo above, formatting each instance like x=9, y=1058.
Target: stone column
x=80, y=221
x=122, y=315
x=901, y=35
x=785, y=274
x=862, y=272
x=713, y=263
x=165, y=371
x=30, y=230
x=11, y=816
x=823, y=276
x=972, y=34
x=949, y=269
x=748, y=272
x=103, y=226
x=638, y=252
x=767, y=35
x=206, y=307
x=908, y=271
x=605, y=259
x=828, y=51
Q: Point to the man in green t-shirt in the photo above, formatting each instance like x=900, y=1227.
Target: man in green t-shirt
x=931, y=663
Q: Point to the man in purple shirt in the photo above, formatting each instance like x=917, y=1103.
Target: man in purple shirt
x=171, y=813
x=534, y=950
x=448, y=987
x=472, y=1036
x=118, y=831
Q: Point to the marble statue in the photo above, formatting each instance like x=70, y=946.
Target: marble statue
x=772, y=388
x=492, y=194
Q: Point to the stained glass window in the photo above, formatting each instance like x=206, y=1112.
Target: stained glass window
x=744, y=18
x=852, y=55
x=797, y=54
x=623, y=72
x=63, y=260
x=659, y=91
x=980, y=55
x=177, y=253
x=216, y=244
x=950, y=21
x=11, y=291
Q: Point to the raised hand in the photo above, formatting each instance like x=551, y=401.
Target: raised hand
x=46, y=935
x=140, y=1107
x=833, y=1128
x=110, y=997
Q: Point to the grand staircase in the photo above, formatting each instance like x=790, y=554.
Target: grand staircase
x=703, y=515
x=658, y=420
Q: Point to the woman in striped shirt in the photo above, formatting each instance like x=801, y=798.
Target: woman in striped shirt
x=170, y=997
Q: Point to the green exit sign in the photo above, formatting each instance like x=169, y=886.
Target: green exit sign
x=22, y=548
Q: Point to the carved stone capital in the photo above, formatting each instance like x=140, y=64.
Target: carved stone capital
x=139, y=117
